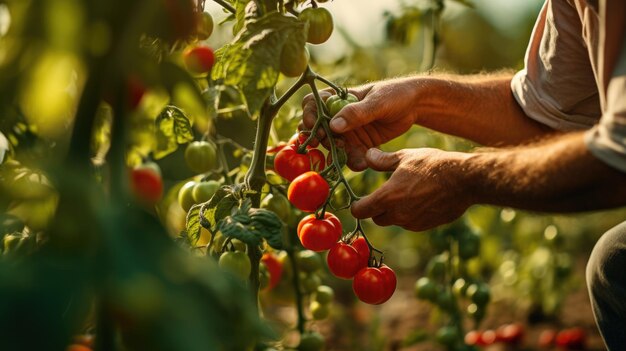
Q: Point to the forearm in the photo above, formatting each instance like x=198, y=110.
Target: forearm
x=558, y=175
x=479, y=108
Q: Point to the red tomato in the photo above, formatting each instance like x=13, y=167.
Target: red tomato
x=547, y=338
x=510, y=333
x=308, y=191
x=299, y=138
x=473, y=338
x=317, y=160
x=343, y=261
x=369, y=285
x=390, y=282
x=276, y=148
x=146, y=183
x=289, y=164
x=488, y=337
x=199, y=59
x=572, y=339
x=327, y=216
x=364, y=251
x=274, y=267
x=318, y=234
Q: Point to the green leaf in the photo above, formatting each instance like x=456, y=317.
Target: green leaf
x=252, y=225
x=192, y=225
x=172, y=128
x=4, y=147
x=252, y=60
x=219, y=207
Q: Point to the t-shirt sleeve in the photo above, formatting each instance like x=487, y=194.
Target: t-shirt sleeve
x=607, y=140
x=557, y=86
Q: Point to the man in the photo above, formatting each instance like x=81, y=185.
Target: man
x=560, y=125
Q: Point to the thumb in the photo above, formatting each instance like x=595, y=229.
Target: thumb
x=351, y=117
x=382, y=161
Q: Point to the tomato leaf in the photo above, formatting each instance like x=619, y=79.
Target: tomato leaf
x=172, y=128
x=251, y=61
x=4, y=147
x=218, y=208
x=252, y=225
x=192, y=225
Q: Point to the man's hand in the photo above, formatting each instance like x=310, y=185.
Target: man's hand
x=427, y=189
x=385, y=110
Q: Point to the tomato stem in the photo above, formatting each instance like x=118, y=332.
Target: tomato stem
x=228, y=7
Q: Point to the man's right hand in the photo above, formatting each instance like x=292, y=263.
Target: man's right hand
x=385, y=111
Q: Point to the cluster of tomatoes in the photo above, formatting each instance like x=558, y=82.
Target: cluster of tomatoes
x=508, y=334
x=567, y=339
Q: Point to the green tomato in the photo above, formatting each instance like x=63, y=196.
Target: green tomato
x=335, y=105
x=447, y=336
x=201, y=156
x=204, y=26
x=309, y=282
x=278, y=204
x=319, y=311
x=469, y=244
x=204, y=191
x=185, y=196
x=426, y=289
x=311, y=341
x=446, y=301
x=324, y=294
x=264, y=276
x=308, y=261
x=479, y=294
x=436, y=268
x=236, y=262
x=293, y=60
x=320, y=24
x=439, y=240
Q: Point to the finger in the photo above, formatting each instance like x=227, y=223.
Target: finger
x=371, y=205
x=356, y=157
x=382, y=161
x=383, y=220
x=352, y=116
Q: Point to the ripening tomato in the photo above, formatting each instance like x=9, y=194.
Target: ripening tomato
x=390, y=282
x=363, y=249
x=274, y=267
x=547, y=338
x=320, y=24
x=572, y=339
x=472, y=338
x=343, y=261
x=308, y=191
x=488, y=337
x=318, y=234
x=146, y=183
x=199, y=59
x=369, y=285
x=327, y=215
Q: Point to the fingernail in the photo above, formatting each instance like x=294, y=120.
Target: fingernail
x=373, y=153
x=338, y=124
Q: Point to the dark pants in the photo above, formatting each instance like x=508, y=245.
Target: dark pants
x=606, y=279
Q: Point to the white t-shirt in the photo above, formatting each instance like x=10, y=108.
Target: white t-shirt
x=562, y=84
